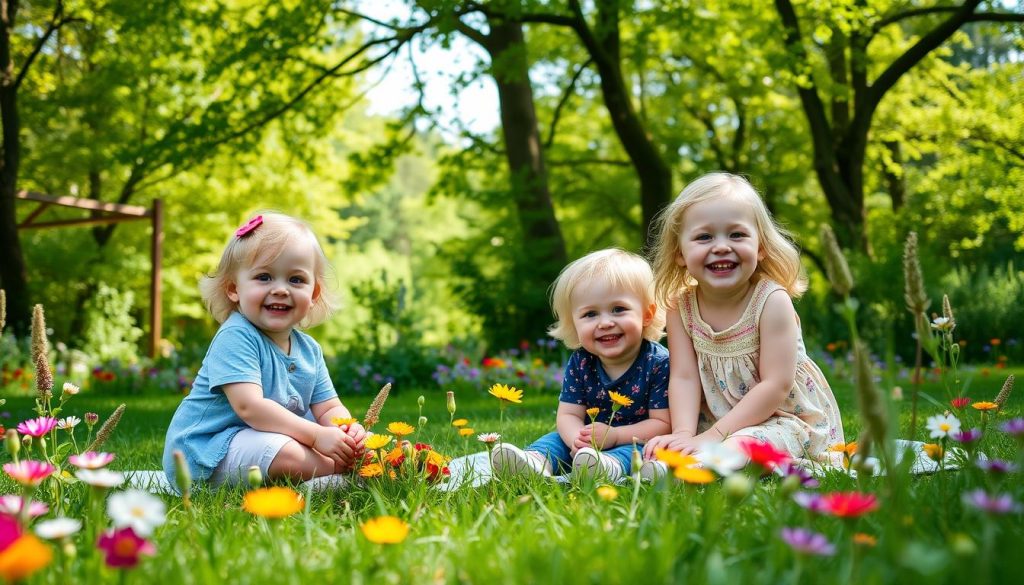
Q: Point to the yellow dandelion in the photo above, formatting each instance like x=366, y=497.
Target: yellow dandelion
x=385, y=530
x=374, y=442
x=620, y=399
x=435, y=458
x=460, y=422
x=273, y=502
x=400, y=429
x=694, y=475
x=934, y=451
x=984, y=406
x=343, y=420
x=593, y=412
x=506, y=393
x=466, y=432
x=371, y=470
x=607, y=493
x=674, y=458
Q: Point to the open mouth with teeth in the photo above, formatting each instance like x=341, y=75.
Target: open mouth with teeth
x=722, y=266
x=276, y=308
x=609, y=339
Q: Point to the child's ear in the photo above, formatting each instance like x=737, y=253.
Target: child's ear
x=231, y=289
x=761, y=253
x=316, y=292
x=649, y=313
x=680, y=260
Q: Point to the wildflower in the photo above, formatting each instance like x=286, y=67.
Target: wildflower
x=810, y=501
x=122, y=547
x=273, y=502
x=371, y=470
x=593, y=412
x=91, y=418
x=385, y=530
x=996, y=466
x=696, y=475
x=396, y=456
x=466, y=432
x=866, y=540
x=58, y=528
x=139, y=509
x=37, y=427
x=934, y=451
x=979, y=499
x=674, y=458
x=100, y=478
x=91, y=460
x=943, y=324
x=400, y=429
x=488, y=438
x=847, y=449
x=803, y=476
x=450, y=402
x=340, y=421
x=720, y=457
x=942, y=425
x=20, y=554
x=29, y=472
x=967, y=437
x=1014, y=427
x=460, y=422
x=808, y=542
x=506, y=393
x=11, y=505
x=849, y=504
x=375, y=441
x=764, y=454
x=607, y=493
x=620, y=399
x=68, y=423
x=960, y=403
x=985, y=406
x=70, y=389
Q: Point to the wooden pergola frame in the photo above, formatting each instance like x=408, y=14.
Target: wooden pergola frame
x=106, y=213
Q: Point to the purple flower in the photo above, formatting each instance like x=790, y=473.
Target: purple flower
x=810, y=501
x=807, y=542
x=979, y=499
x=789, y=468
x=1014, y=427
x=997, y=466
x=967, y=437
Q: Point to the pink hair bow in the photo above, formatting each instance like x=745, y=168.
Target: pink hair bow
x=249, y=226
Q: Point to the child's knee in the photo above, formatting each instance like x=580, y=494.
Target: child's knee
x=298, y=461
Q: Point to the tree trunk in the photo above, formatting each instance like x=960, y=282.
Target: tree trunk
x=12, y=261
x=543, y=251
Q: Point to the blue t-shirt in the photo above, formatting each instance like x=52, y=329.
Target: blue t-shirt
x=204, y=423
x=645, y=383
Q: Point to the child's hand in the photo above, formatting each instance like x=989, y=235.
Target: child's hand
x=335, y=443
x=357, y=433
x=679, y=441
x=595, y=434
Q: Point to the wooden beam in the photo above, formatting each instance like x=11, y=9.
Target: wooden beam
x=135, y=211
x=156, y=250
x=79, y=222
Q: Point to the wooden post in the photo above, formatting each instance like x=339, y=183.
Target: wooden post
x=155, y=290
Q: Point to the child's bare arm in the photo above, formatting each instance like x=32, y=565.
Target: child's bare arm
x=684, y=389
x=776, y=368
x=264, y=414
x=569, y=420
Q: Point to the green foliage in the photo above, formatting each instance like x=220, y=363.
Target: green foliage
x=110, y=332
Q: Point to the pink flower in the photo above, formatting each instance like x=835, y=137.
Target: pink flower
x=28, y=472
x=764, y=454
x=122, y=547
x=91, y=460
x=9, y=532
x=10, y=505
x=849, y=504
x=37, y=427
x=807, y=542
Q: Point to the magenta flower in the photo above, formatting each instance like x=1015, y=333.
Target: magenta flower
x=1014, y=427
x=11, y=504
x=996, y=466
x=9, y=531
x=811, y=501
x=807, y=480
x=122, y=547
x=28, y=472
x=807, y=542
x=91, y=460
x=979, y=499
x=37, y=427
x=967, y=437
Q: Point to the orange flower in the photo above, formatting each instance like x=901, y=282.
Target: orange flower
x=400, y=429
x=620, y=399
x=863, y=539
x=24, y=556
x=674, y=458
x=273, y=502
x=848, y=449
x=385, y=530
x=371, y=470
x=593, y=412
x=985, y=406
x=696, y=475
x=460, y=422
x=995, y=341
x=933, y=451
x=466, y=432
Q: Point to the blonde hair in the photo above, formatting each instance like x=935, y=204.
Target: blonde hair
x=781, y=261
x=620, y=269
x=266, y=242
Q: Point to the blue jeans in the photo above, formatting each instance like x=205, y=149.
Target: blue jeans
x=557, y=452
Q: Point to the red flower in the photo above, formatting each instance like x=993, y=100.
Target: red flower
x=764, y=454
x=959, y=403
x=123, y=547
x=849, y=504
x=436, y=473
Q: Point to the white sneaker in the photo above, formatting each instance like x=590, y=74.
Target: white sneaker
x=325, y=483
x=511, y=460
x=653, y=470
x=591, y=463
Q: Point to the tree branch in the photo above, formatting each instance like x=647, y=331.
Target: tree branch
x=569, y=89
x=56, y=21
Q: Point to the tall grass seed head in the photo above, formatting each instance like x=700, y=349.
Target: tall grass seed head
x=914, y=293
x=835, y=263
x=1004, y=392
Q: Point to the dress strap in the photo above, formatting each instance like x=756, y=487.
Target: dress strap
x=762, y=290
x=686, y=309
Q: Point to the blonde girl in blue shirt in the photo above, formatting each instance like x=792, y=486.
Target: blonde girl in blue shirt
x=263, y=395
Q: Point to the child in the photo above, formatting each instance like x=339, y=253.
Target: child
x=262, y=378
x=739, y=368
x=605, y=306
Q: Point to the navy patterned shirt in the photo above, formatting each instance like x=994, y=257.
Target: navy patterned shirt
x=645, y=383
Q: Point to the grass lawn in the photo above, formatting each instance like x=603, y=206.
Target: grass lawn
x=527, y=531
